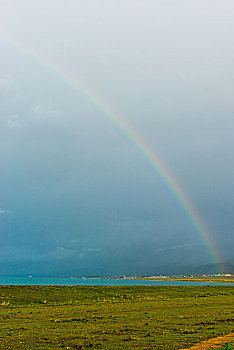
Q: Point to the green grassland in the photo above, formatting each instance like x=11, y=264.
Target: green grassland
x=118, y=317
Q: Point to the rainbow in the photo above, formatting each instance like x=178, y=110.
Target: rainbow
x=152, y=158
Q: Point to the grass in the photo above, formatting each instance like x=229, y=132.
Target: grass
x=100, y=317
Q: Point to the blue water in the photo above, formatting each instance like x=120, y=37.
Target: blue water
x=55, y=281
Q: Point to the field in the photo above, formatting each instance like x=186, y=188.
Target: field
x=86, y=317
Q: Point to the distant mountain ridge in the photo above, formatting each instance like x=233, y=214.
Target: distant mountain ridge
x=212, y=269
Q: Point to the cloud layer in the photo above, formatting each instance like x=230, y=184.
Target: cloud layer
x=75, y=185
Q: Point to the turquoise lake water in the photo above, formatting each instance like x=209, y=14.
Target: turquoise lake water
x=55, y=281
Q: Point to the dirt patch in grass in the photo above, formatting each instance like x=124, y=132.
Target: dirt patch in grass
x=224, y=342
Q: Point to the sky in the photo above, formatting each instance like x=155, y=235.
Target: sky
x=75, y=187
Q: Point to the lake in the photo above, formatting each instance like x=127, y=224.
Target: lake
x=56, y=281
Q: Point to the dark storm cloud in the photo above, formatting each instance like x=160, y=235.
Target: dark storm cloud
x=72, y=185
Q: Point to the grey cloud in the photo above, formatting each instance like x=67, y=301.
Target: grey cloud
x=174, y=247
x=15, y=121
x=11, y=253
x=5, y=211
x=40, y=112
x=82, y=186
x=5, y=83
